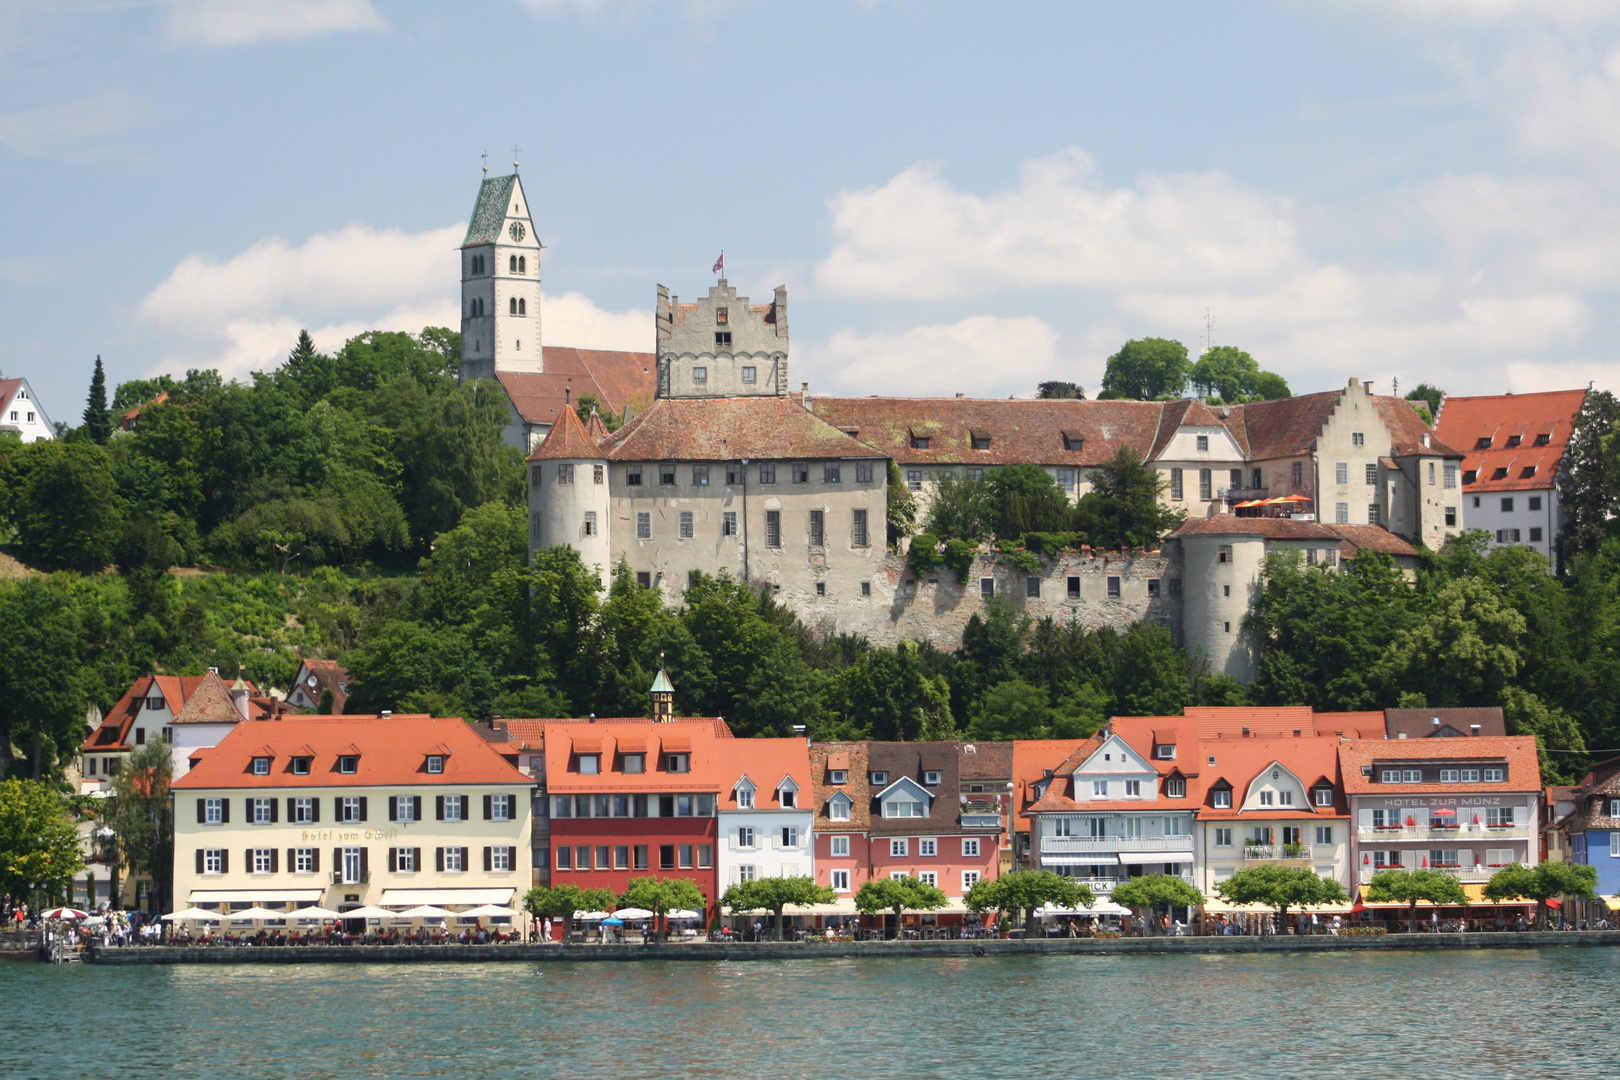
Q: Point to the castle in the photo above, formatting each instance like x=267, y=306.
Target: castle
x=723, y=467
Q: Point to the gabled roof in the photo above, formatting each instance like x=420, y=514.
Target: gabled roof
x=706, y=741
x=566, y=439
x=852, y=758
x=490, y=210
x=392, y=752
x=1518, y=751
x=1465, y=421
x=616, y=378
x=785, y=759
x=1349, y=538
x=209, y=703
x=327, y=676
x=1420, y=723
x=727, y=429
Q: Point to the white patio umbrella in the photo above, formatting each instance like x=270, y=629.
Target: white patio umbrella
x=367, y=912
x=488, y=911
x=257, y=913
x=633, y=913
x=590, y=916
x=314, y=911
x=191, y=914
x=63, y=913
x=685, y=914
x=426, y=911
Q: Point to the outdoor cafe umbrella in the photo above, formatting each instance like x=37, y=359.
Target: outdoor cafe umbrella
x=191, y=914
x=63, y=913
x=314, y=911
x=257, y=913
x=590, y=916
x=612, y=920
x=367, y=912
x=633, y=913
x=426, y=911
x=684, y=915
x=488, y=911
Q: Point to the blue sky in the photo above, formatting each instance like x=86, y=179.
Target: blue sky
x=960, y=197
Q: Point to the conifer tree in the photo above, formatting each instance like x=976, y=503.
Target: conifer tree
x=97, y=417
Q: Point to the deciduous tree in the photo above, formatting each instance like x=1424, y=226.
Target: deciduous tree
x=563, y=902
x=773, y=894
x=1409, y=886
x=1146, y=369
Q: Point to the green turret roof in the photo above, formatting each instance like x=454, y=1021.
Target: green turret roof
x=662, y=685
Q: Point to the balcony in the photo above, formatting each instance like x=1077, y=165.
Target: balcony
x=1112, y=845
x=1472, y=875
x=1480, y=834
x=1277, y=852
x=1242, y=494
x=339, y=878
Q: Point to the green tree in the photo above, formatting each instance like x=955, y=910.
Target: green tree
x=48, y=653
x=1224, y=372
x=1122, y=509
x=1280, y=888
x=1409, y=886
x=1462, y=650
x=139, y=815
x=1146, y=369
x=97, y=417
x=1025, y=498
x=61, y=500
x=891, y=695
x=1066, y=391
x=563, y=902
x=1426, y=398
x=900, y=506
x=662, y=896
x=1589, y=485
x=1541, y=883
x=1023, y=892
x=39, y=842
x=962, y=509
x=1268, y=386
x=774, y=894
x=897, y=895
x=1153, y=891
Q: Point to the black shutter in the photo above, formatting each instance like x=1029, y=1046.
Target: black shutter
x=416, y=858
x=464, y=858
x=275, y=860
x=393, y=810
x=315, y=859
x=315, y=810
x=292, y=860
x=202, y=813
x=337, y=861
x=224, y=860
x=393, y=861
x=438, y=858
x=199, y=855
x=466, y=806
x=225, y=811
x=365, y=861
x=489, y=856
x=487, y=800
x=292, y=810
x=416, y=808
x=438, y=810
x=275, y=811
x=362, y=808
x=337, y=809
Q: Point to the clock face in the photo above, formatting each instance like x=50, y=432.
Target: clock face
x=517, y=230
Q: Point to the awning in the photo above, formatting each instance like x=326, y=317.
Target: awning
x=1474, y=892
x=1101, y=906
x=255, y=896
x=1099, y=861
x=409, y=898
x=1137, y=858
x=1216, y=906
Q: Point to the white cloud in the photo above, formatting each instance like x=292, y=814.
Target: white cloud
x=240, y=22
x=919, y=237
x=243, y=313
x=979, y=355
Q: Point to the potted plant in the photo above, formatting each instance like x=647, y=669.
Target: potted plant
x=1294, y=849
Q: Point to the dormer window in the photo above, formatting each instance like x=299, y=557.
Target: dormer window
x=931, y=778
x=919, y=442
x=787, y=798
x=981, y=442
x=1165, y=751
x=300, y=766
x=1073, y=443
x=435, y=763
x=1175, y=788
x=838, y=807
x=1324, y=796
x=902, y=808
x=635, y=763
x=588, y=764
x=838, y=776
x=1515, y=440
x=880, y=779
x=1499, y=474
x=1222, y=797
x=261, y=766
x=348, y=764
x=745, y=795
x=678, y=763
x=1484, y=443
x=1544, y=439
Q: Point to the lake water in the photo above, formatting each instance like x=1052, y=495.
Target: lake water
x=1475, y=1015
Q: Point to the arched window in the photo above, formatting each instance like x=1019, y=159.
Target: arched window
x=523, y=265
x=512, y=306
x=511, y=267
x=523, y=306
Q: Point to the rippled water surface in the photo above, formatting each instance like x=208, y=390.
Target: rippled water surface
x=1529, y=1013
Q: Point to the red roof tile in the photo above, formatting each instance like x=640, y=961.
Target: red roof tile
x=1465, y=422
x=726, y=429
x=616, y=378
x=1518, y=751
x=706, y=739
x=1351, y=538
x=566, y=439
x=765, y=762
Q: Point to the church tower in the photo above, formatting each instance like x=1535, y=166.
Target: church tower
x=500, y=283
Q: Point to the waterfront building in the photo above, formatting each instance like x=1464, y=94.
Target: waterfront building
x=985, y=770
x=1465, y=806
x=842, y=792
x=319, y=686
x=767, y=811
x=345, y=812
x=1592, y=831
x=21, y=412
x=1514, y=449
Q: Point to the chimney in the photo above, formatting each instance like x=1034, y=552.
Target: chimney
x=1435, y=722
x=568, y=393
x=1400, y=735
x=960, y=395
x=1296, y=733
x=1473, y=729
x=386, y=714
x=1367, y=386
x=1245, y=733
x=591, y=718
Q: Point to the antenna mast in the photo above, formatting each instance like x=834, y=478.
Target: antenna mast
x=1209, y=330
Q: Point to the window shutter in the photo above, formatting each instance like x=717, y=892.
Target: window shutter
x=337, y=809
x=292, y=860
x=315, y=859
x=464, y=857
x=225, y=811
x=393, y=861
x=202, y=818
x=489, y=855
x=393, y=810
x=199, y=855
x=315, y=810
x=487, y=800
x=362, y=808
x=275, y=811
x=438, y=857
x=275, y=860
x=337, y=861
x=438, y=810
x=292, y=809
x=465, y=806
x=365, y=861
x=416, y=807
x=416, y=857
x=224, y=860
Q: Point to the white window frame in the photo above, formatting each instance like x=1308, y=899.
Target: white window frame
x=1222, y=798
x=213, y=811
x=500, y=808
x=452, y=808
x=263, y=860
x=213, y=860
x=1099, y=789
x=927, y=848
x=840, y=880
x=264, y=810
x=929, y=877
x=500, y=859
x=745, y=838
x=970, y=878
x=454, y=860
x=1223, y=836
x=899, y=848
x=1133, y=789
x=303, y=860
x=970, y=847
x=838, y=847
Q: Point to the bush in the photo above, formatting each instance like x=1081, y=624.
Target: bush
x=1052, y=544
x=959, y=556
x=1025, y=561
x=925, y=554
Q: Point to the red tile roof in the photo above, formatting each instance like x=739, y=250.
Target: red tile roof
x=765, y=762
x=616, y=378
x=1350, y=538
x=852, y=758
x=726, y=429
x=1240, y=761
x=1466, y=421
x=393, y=752
x=566, y=439
x=706, y=739
x=1518, y=751
x=114, y=732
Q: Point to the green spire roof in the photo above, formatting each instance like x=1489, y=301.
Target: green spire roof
x=662, y=685
x=494, y=200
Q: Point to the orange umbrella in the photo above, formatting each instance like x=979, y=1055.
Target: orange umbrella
x=1251, y=502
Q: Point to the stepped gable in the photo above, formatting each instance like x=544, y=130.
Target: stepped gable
x=1021, y=431
x=1351, y=538
x=567, y=439
x=1284, y=427
x=1484, y=426
x=727, y=429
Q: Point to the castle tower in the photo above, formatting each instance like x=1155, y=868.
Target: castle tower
x=568, y=493
x=722, y=346
x=500, y=284
x=663, y=695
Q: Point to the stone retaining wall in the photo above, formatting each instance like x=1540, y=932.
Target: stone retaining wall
x=731, y=951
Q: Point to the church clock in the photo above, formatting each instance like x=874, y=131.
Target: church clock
x=517, y=230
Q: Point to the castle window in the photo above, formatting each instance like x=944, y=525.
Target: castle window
x=1296, y=474
x=523, y=309
x=1223, y=553
x=722, y=316
x=590, y=523
x=1065, y=479
x=1153, y=587
x=750, y=374
x=1341, y=472
x=643, y=525
x=801, y=473
x=565, y=474
x=863, y=472
x=1450, y=476
x=866, y=590
x=511, y=306
x=1358, y=439
x=1372, y=472
x=1177, y=488
x=686, y=524
x=733, y=474
x=858, y=534
x=821, y=588
x=722, y=339
x=1206, y=484
x=728, y=523
x=666, y=476
x=981, y=442
x=598, y=473
x=700, y=475
x=523, y=265
x=914, y=479
x=919, y=442
x=773, y=528
x=1074, y=588
x=644, y=579
x=1032, y=587
x=1113, y=588
x=818, y=527
x=1073, y=443
x=767, y=473
x=632, y=476
x=700, y=375
x=511, y=265
x=831, y=473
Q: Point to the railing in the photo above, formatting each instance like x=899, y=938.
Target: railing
x=339, y=878
x=1473, y=875
x=1277, y=851
x=1069, y=845
x=1241, y=494
x=1446, y=832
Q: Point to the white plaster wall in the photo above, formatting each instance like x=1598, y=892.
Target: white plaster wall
x=1355, y=413
x=1490, y=516
x=558, y=511
x=769, y=857
x=1216, y=597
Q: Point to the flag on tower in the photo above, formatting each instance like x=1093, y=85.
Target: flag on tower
x=720, y=264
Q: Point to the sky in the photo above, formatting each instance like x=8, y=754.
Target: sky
x=960, y=197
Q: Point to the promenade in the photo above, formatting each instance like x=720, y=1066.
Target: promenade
x=843, y=950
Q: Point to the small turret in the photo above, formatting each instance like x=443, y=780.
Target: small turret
x=663, y=695
x=568, y=492
x=239, y=694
